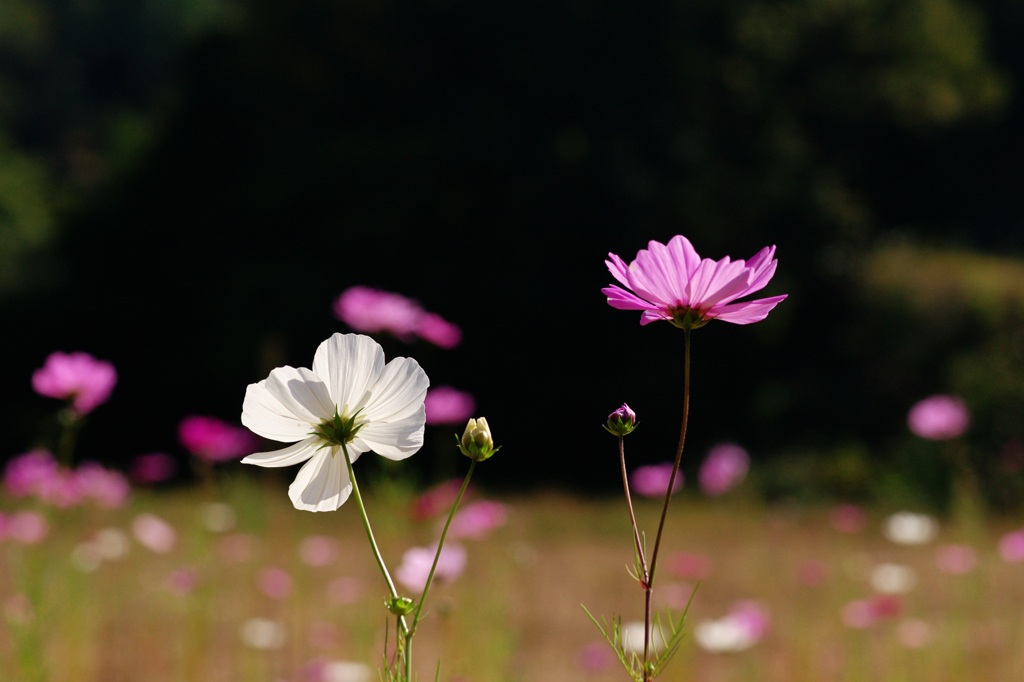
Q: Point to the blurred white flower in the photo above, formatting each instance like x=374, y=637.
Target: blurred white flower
x=633, y=637
x=741, y=629
x=349, y=397
x=344, y=671
x=908, y=528
x=154, y=533
x=86, y=557
x=260, y=633
x=893, y=578
x=111, y=543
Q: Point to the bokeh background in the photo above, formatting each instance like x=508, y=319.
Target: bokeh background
x=185, y=188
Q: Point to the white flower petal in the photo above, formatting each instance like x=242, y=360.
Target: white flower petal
x=322, y=484
x=349, y=364
x=264, y=415
x=398, y=393
x=293, y=454
x=395, y=440
x=302, y=392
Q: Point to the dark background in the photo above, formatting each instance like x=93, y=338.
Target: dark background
x=185, y=192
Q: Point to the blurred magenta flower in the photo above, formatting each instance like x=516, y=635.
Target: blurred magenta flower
x=848, y=518
x=652, y=480
x=1011, y=547
x=723, y=469
x=690, y=566
x=318, y=550
x=956, y=559
x=371, y=311
x=416, y=564
x=438, y=331
x=863, y=613
x=274, y=583
x=152, y=468
x=183, y=581
x=446, y=405
x=596, y=656
x=106, y=487
x=477, y=519
x=30, y=473
x=672, y=283
x=78, y=377
x=154, y=533
x=437, y=499
x=212, y=440
x=26, y=527
x=939, y=417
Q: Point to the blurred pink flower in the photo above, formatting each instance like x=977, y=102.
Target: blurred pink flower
x=752, y=617
x=596, y=656
x=848, y=518
x=107, y=487
x=477, y=519
x=152, y=468
x=672, y=283
x=437, y=499
x=323, y=635
x=740, y=629
x=438, y=331
x=416, y=564
x=318, y=550
x=812, y=572
x=652, y=480
x=913, y=633
x=62, y=490
x=446, y=405
x=344, y=590
x=80, y=377
x=237, y=547
x=864, y=613
x=274, y=583
x=183, y=581
x=371, y=311
x=723, y=469
x=1011, y=547
x=26, y=527
x=30, y=473
x=154, y=533
x=689, y=566
x=939, y=417
x=212, y=440
x=956, y=559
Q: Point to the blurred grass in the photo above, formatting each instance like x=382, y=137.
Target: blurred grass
x=515, y=614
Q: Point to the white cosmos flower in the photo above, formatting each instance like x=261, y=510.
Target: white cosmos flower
x=380, y=406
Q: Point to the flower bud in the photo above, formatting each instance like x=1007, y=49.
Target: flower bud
x=621, y=422
x=400, y=606
x=476, y=442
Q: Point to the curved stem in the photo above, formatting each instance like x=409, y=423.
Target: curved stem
x=440, y=544
x=369, y=533
x=632, y=516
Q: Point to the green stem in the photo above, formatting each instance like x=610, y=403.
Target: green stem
x=668, y=493
x=369, y=533
x=70, y=423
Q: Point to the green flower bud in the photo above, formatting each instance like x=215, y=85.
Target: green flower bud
x=400, y=606
x=476, y=442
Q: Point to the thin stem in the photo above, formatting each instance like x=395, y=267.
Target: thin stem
x=440, y=544
x=369, y=533
x=632, y=516
x=70, y=423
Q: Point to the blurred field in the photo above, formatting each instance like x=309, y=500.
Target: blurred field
x=513, y=615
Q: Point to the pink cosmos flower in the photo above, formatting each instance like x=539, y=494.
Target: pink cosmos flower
x=152, y=468
x=416, y=564
x=848, y=518
x=438, y=331
x=1011, y=547
x=446, y=405
x=476, y=520
x=371, y=311
x=80, y=377
x=26, y=527
x=183, y=581
x=940, y=417
x=652, y=480
x=437, y=499
x=274, y=583
x=812, y=572
x=690, y=566
x=30, y=473
x=106, y=487
x=212, y=440
x=724, y=468
x=956, y=559
x=596, y=656
x=154, y=533
x=672, y=283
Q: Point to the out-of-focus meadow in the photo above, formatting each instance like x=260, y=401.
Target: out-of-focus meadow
x=193, y=194
x=250, y=589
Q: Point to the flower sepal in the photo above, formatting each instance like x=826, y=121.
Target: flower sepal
x=400, y=606
x=476, y=442
x=687, y=318
x=337, y=431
